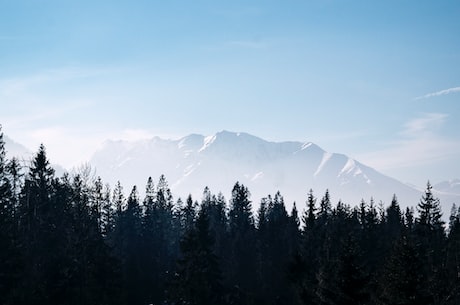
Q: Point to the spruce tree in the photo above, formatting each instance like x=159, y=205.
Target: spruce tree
x=429, y=209
x=402, y=281
x=241, y=258
x=42, y=232
x=431, y=243
x=452, y=274
x=197, y=280
x=9, y=256
x=310, y=215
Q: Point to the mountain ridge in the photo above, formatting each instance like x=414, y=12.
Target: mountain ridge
x=218, y=161
x=192, y=162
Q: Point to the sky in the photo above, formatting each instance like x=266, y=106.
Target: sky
x=376, y=80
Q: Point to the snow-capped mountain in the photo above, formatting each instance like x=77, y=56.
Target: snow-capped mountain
x=218, y=161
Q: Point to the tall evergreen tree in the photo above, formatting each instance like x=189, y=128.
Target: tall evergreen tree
x=241, y=259
x=198, y=276
x=429, y=209
x=402, y=282
x=9, y=260
x=92, y=271
x=131, y=259
x=431, y=243
x=152, y=286
x=310, y=215
x=452, y=274
x=43, y=220
x=343, y=281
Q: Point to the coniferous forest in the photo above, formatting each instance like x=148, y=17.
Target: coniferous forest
x=75, y=240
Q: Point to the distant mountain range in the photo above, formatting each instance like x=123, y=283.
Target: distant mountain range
x=14, y=149
x=24, y=155
x=218, y=161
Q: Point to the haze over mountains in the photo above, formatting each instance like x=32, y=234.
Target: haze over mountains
x=218, y=161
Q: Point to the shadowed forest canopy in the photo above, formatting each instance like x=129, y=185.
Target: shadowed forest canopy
x=75, y=240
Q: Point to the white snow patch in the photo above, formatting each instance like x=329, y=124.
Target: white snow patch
x=349, y=166
x=187, y=153
x=257, y=176
x=207, y=141
x=306, y=145
x=326, y=157
x=190, y=169
x=181, y=144
x=124, y=162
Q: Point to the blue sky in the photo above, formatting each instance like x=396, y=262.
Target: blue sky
x=379, y=81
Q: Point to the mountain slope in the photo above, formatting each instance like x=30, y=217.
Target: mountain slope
x=218, y=161
x=17, y=150
x=449, y=187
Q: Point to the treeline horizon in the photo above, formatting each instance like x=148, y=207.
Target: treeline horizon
x=74, y=240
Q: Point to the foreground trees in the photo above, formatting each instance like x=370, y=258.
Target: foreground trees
x=70, y=240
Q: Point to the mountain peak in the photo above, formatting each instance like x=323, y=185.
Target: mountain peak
x=219, y=160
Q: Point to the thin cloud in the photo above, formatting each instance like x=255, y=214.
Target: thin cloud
x=439, y=93
x=418, y=143
x=12, y=86
x=425, y=124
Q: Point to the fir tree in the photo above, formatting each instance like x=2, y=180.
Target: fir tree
x=241, y=260
x=402, y=281
x=198, y=277
x=429, y=209
x=9, y=260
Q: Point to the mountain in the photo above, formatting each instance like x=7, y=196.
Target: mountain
x=449, y=187
x=14, y=149
x=218, y=161
x=24, y=155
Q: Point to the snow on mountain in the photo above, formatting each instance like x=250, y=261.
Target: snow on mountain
x=17, y=150
x=218, y=161
x=449, y=187
x=24, y=155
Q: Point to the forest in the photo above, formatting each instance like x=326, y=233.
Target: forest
x=76, y=240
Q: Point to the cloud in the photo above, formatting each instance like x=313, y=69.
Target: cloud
x=425, y=124
x=134, y=135
x=18, y=85
x=419, y=143
x=439, y=93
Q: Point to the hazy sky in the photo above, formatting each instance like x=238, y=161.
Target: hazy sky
x=377, y=80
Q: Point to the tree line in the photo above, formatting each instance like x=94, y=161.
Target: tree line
x=74, y=240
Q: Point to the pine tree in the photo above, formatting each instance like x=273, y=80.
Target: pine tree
x=43, y=228
x=453, y=259
x=92, y=271
x=429, y=208
x=215, y=208
x=131, y=246
x=325, y=209
x=198, y=277
x=310, y=215
x=429, y=229
x=393, y=224
x=152, y=290
x=279, y=249
x=402, y=281
x=9, y=256
x=343, y=281
x=241, y=258
x=188, y=214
